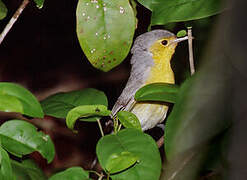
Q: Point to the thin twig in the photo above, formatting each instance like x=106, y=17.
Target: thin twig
x=13, y=20
x=100, y=127
x=191, y=58
x=160, y=142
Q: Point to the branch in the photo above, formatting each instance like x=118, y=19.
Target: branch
x=191, y=58
x=13, y=20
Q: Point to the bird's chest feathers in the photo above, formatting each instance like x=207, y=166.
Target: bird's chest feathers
x=161, y=71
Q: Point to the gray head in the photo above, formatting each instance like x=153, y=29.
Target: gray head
x=144, y=41
x=140, y=49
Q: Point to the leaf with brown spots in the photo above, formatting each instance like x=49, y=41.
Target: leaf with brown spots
x=106, y=25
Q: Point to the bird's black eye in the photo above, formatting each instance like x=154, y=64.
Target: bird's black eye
x=164, y=42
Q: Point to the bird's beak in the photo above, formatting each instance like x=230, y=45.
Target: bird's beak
x=179, y=39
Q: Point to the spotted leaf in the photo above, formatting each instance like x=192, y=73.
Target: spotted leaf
x=105, y=30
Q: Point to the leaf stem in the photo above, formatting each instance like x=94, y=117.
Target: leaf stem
x=13, y=20
x=100, y=127
x=191, y=58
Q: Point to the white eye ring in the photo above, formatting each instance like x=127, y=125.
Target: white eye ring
x=164, y=42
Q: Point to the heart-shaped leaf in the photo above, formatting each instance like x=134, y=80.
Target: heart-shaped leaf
x=139, y=144
x=58, y=105
x=129, y=120
x=105, y=30
x=21, y=138
x=30, y=104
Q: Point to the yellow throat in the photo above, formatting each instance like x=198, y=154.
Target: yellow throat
x=150, y=114
x=162, y=54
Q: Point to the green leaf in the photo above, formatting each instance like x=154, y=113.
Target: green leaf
x=183, y=10
x=10, y=104
x=105, y=30
x=181, y=33
x=121, y=161
x=201, y=111
x=30, y=104
x=39, y=3
x=58, y=105
x=147, y=3
x=134, y=141
x=27, y=170
x=6, y=172
x=85, y=111
x=22, y=138
x=74, y=173
x=162, y=92
x=3, y=10
x=129, y=120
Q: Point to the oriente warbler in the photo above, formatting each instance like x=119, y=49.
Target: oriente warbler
x=152, y=53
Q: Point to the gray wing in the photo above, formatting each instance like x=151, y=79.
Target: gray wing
x=138, y=76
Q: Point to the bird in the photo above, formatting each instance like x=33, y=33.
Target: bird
x=150, y=63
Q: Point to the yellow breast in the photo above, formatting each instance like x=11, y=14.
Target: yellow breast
x=150, y=114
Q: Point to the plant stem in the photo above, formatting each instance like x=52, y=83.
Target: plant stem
x=160, y=142
x=101, y=129
x=13, y=20
x=191, y=58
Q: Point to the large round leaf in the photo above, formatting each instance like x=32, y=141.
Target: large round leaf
x=58, y=105
x=74, y=173
x=139, y=144
x=27, y=170
x=30, y=104
x=6, y=172
x=21, y=138
x=105, y=30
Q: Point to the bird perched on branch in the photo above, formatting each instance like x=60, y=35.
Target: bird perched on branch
x=150, y=63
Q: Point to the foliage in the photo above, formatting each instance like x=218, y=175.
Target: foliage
x=39, y=3
x=21, y=99
x=141, y=149
x=3, y=10
x=162, y=92
x=74, y=173
x=27, y=169
x=129, y=120
x=19, y=137
x=164, y=12
x=105, y=30
x=84, y=112
x=103, y=26
x=58, y=105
